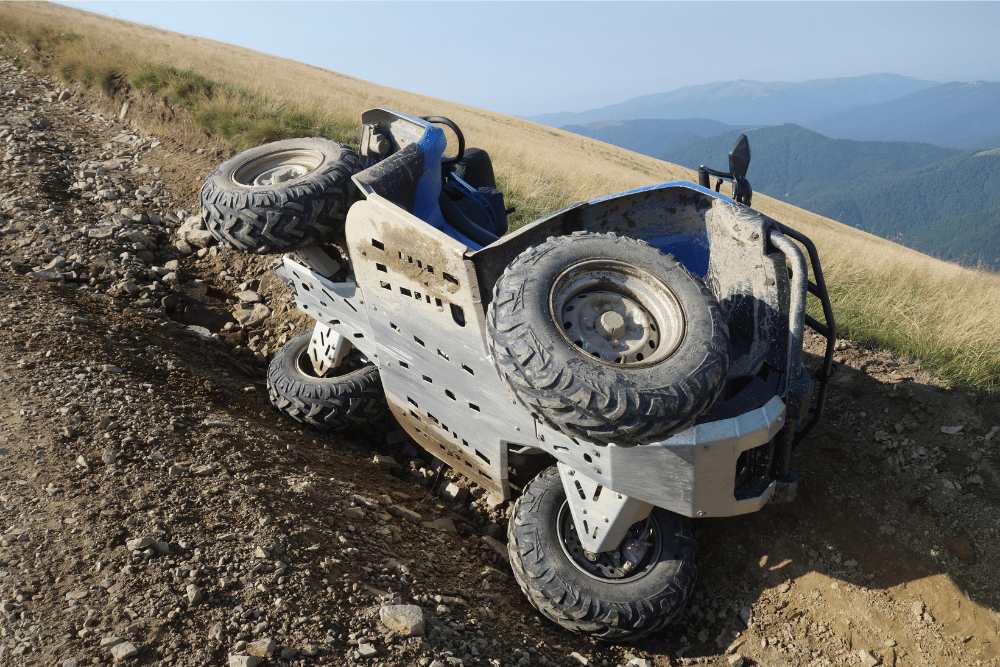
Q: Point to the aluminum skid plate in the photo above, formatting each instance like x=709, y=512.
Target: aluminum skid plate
x=430, y=331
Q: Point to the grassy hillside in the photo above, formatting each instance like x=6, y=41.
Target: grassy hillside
x=884, y=294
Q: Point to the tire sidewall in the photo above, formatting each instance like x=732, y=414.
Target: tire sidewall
x=279, y=217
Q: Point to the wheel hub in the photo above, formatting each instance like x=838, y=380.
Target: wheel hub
x=632, y=559
x=617, y=313
x=280, y=175
x=277, y=167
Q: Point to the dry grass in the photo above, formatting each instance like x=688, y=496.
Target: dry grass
x=886, y=295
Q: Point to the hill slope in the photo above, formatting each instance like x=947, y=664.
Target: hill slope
x=296, y=539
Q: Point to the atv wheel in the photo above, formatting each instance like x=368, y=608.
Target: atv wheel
x=280, y=196
x=607, y=339
x=350, y=396
x=603, y=597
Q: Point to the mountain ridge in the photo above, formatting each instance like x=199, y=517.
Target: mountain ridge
x=812, y=99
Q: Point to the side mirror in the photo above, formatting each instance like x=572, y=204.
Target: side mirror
x=739, y=158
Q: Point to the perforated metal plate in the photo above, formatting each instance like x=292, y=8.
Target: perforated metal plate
x=430, y=329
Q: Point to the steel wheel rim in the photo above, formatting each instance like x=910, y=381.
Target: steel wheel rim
x=277, y=167
x=609, y=565
x=617, y=313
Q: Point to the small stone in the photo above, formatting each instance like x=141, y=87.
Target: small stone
x=918, y=609
x=139, y=543
x=109, y=642
x=783, y=588
x=867, y=659
x=736, y=660
x=194, y=594
x=262, y=648
x=47, y=275
x=385, y=462
x=70, y=662
x=367, y=651
x=952, y=430
x=579, y=658
x=109, y=456
x=454, y=492
x=746, y=615
x=405, y=514
x=124, y=651
x=248, y=296
x=243, y=661
x=253, y=316
x=406, y=619
x=194, y=233
x=445, y=525
x=354, y=513
x=288, y=653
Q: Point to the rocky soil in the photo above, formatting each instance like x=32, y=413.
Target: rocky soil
x=157, y=510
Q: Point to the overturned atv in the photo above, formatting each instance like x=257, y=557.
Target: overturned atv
x=641, y=350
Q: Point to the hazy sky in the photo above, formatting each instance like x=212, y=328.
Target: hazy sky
x=527, y=58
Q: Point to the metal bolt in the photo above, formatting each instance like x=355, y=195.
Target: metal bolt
x=701, y=514
x=706, y=447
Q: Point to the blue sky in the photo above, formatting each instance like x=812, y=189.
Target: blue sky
x=527, y=58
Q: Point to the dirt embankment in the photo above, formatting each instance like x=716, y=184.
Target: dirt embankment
x=157, y=510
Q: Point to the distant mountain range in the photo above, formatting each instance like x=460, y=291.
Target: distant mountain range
x=651, y=137
x=752, y=102
x=874, y=107
x=957, y=114
x=914, y=161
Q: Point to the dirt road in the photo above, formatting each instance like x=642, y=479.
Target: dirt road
x=157, y=510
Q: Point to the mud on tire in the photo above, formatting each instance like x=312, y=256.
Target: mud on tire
x=545, y=558
x=608, y=339
x=280, y=196
x=353, y=398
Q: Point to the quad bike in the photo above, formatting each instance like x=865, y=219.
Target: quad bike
x=641, y=352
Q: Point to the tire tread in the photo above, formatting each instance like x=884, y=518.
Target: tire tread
x=573, y=402
x=337, y=403
x=282, y=217
x=559, y=595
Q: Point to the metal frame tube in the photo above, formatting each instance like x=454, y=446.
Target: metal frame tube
x=797, y=307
